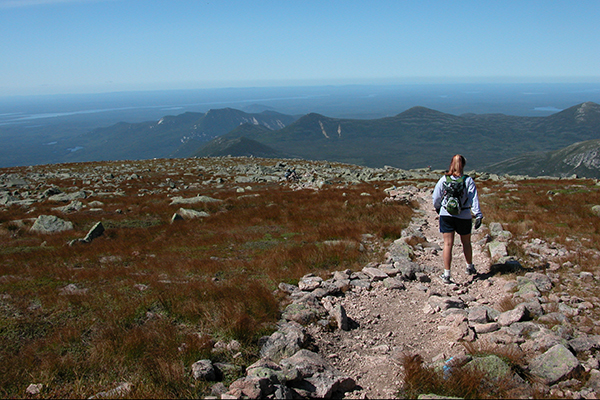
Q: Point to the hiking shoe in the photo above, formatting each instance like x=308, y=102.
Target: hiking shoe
x=471, y=270
x=446, y=279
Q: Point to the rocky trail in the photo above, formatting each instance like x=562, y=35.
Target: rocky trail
x=345, y=337
x=390, y=323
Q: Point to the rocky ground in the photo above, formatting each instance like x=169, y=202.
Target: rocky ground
x=346, y=336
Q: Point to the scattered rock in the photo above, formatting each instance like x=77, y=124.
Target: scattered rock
x=120, y=391
x=50, y=224
x=204, y=370
x=34, y=389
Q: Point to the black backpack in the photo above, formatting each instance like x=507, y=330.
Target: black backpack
x=454, y=194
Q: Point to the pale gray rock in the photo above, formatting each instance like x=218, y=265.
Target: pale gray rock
x=478, y=315
x=50, y=224
x=408, y=269
x=542, y=342
x=495, y=228
x=34, y=389
x=218, y=389
x=542, y=282
x=342, y=275
x=285, y=342
x=521, y=329
x=585, y=343
x=375, y=274
x=301, y=313
x=497, y=250
x=422, y=277
x=593, y=382
x=493, y=366
x=394, y=284
x=517, y=314
x=526, y=286
x=534, y=307
x=122, y=390
x=400, y=250
x=74, y=206
x=316, y=376
x=204, y=370
x=439, y=303
x=287, y=288
x=389, y=269
x=72, y=289
x=361, y=283
x=51, y=192
x=95, y=232
x=338, y=314
x=309, y=282
x=188, y=213
x=67, y=197
x=176, y=217
x=193, y=200
x=486, y=328
x=556, y=364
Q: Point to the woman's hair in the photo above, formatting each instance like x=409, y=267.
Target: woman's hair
x=457, y=166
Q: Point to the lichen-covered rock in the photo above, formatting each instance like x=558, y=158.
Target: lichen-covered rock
x=497, y=250
x=493, y=366
x=285, y=342
x=556, y=364
x=316, y=376
x=204, y=370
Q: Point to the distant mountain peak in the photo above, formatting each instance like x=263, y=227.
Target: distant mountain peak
x=420, y=112
x=587, y=110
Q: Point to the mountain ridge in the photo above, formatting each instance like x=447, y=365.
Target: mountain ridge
x=421, y=136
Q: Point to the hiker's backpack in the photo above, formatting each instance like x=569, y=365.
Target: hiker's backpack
x=454, y=194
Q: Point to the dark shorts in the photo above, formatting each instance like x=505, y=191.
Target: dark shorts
x=452, y=224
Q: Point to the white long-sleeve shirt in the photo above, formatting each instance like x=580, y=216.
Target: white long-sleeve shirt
x=470, y=206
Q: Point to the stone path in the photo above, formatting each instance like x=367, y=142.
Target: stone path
x=388, y=323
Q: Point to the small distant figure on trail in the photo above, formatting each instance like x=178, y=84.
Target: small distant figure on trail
x=291, y=176
x=456, y=201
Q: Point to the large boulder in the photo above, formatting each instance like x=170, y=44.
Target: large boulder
x=50, y=224
x=315, y=376
x=556, y=364
x=289, y=339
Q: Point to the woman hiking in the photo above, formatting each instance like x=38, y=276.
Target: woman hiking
x=456, y=201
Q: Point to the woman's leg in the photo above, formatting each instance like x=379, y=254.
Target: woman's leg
x=467, y=248
x=447, y=252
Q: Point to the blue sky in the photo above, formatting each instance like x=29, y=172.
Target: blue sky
x=85, y=46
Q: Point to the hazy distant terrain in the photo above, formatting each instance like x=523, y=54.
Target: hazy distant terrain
x=45, y=129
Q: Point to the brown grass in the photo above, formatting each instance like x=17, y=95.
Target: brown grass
x=462, y=381
x=157, y=295
x=560, y=213
x=421, y=379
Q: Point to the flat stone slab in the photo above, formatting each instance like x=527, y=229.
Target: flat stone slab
x=375, y=273
x=50, y=224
